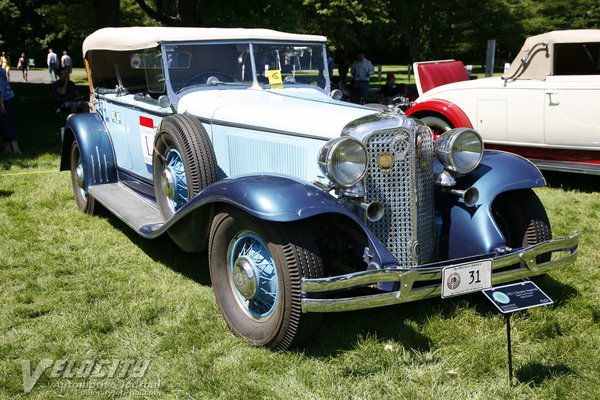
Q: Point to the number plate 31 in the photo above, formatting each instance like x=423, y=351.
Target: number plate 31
x=466, y=278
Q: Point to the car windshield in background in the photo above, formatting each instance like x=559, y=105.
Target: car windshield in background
x=297, y=64
x=192, y=65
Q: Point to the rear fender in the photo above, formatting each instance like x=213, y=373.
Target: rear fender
x=95, y=148
x=448, y=110
x=465, y=231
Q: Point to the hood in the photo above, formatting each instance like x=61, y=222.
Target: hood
x=302, y=111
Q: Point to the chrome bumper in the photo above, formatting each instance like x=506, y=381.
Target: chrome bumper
x=408, y=276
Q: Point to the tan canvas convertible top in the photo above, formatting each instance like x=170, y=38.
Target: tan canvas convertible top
x=137, y=38
x=538, y=65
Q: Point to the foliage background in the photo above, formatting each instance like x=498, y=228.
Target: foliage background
x=390, y=31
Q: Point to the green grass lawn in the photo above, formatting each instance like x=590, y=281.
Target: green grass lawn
x=80, y=287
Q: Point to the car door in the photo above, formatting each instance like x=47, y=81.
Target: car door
x=571, y=110
x=572, y=98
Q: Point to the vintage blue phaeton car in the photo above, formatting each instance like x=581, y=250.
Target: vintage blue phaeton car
x=231, y=140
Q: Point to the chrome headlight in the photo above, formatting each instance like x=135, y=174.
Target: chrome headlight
x=344, y=161
x=459, y=150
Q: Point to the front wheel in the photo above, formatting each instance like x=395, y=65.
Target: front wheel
x=522, y=219
x=256, y=268
x=437, y=123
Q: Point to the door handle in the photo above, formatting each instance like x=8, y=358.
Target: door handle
x=552, y=101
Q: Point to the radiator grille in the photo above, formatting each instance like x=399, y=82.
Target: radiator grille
x=406, y=190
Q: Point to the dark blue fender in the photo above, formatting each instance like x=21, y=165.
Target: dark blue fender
x=466, y=231
x=271, y=198
x=95, y=148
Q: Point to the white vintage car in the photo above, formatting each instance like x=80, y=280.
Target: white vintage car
x=546, y=107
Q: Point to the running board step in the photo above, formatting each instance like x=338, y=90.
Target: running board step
x=129, y=206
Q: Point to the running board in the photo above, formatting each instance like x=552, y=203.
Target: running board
x=129, y=206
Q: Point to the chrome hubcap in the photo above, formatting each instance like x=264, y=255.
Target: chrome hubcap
x=167, y=183
x=245, y=278
x=79, y=176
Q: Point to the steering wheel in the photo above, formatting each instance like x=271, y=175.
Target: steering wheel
x=204, y=76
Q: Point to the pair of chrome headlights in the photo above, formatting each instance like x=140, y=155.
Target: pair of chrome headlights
x=344, y=160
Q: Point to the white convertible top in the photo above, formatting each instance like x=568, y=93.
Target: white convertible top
x=138, y=38
x=538, y=66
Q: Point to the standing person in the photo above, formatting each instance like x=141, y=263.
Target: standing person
x=7, y=115
x=65, y=62
x=23, y=65
x=52, y=61
x=343, y=66
x=5, y=60
x=361, y=70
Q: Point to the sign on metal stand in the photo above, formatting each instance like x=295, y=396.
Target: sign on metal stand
x=515, y=297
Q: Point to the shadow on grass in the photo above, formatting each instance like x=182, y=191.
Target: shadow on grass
x=6, y=193
x=191, y=265
x=537, y=373
x=558, y=291
x=571, y=181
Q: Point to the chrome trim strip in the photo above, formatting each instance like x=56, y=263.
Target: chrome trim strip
x=408, y=276
x=567, y=166
x=257, y=128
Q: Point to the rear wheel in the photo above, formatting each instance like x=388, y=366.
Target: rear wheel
x=522, y=219
x=85, y=203
x=256, y=268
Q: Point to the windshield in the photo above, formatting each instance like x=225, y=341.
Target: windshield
x=297, y=64
x=191, y=65
x=230, y=64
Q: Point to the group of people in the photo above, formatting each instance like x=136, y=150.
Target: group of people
x=22, y=65
x=63, y=88
x=53, y=64
x=357, y=89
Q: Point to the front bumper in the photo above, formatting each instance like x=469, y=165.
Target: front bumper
x=428, y=278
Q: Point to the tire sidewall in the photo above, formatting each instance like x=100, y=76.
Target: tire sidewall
x=84, y=202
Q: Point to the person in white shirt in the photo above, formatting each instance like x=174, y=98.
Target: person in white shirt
x=52, y=61
x=65, y=62
x=361, y=70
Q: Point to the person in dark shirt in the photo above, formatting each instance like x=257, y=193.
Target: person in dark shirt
x=67, y=98
x=391, y=90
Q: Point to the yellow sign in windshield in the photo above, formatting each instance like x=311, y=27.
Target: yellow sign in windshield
x=275, y=79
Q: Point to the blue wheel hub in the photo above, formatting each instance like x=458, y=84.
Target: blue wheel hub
x=173, y=181
x=253, y=275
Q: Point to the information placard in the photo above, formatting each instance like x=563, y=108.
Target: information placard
x=517, y=296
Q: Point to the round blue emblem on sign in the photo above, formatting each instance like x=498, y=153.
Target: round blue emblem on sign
x=501, y=297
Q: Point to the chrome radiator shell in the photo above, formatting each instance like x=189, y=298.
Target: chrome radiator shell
x=405, y=187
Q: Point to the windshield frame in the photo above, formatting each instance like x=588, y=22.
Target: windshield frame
x=176, y=96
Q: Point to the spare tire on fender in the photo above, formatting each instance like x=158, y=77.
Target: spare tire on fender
x=183, y=164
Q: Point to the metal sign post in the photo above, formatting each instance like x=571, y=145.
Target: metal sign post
x=509, y=347
x=515, y=297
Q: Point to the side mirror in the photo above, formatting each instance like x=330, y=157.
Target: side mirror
x=164, y=101
x=336, y=94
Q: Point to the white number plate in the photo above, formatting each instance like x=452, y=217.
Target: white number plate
x=466, y=278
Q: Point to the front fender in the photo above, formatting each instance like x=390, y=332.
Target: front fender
x=449, y=110
x=95, y=148
x=465, y=231
x=266, y=197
